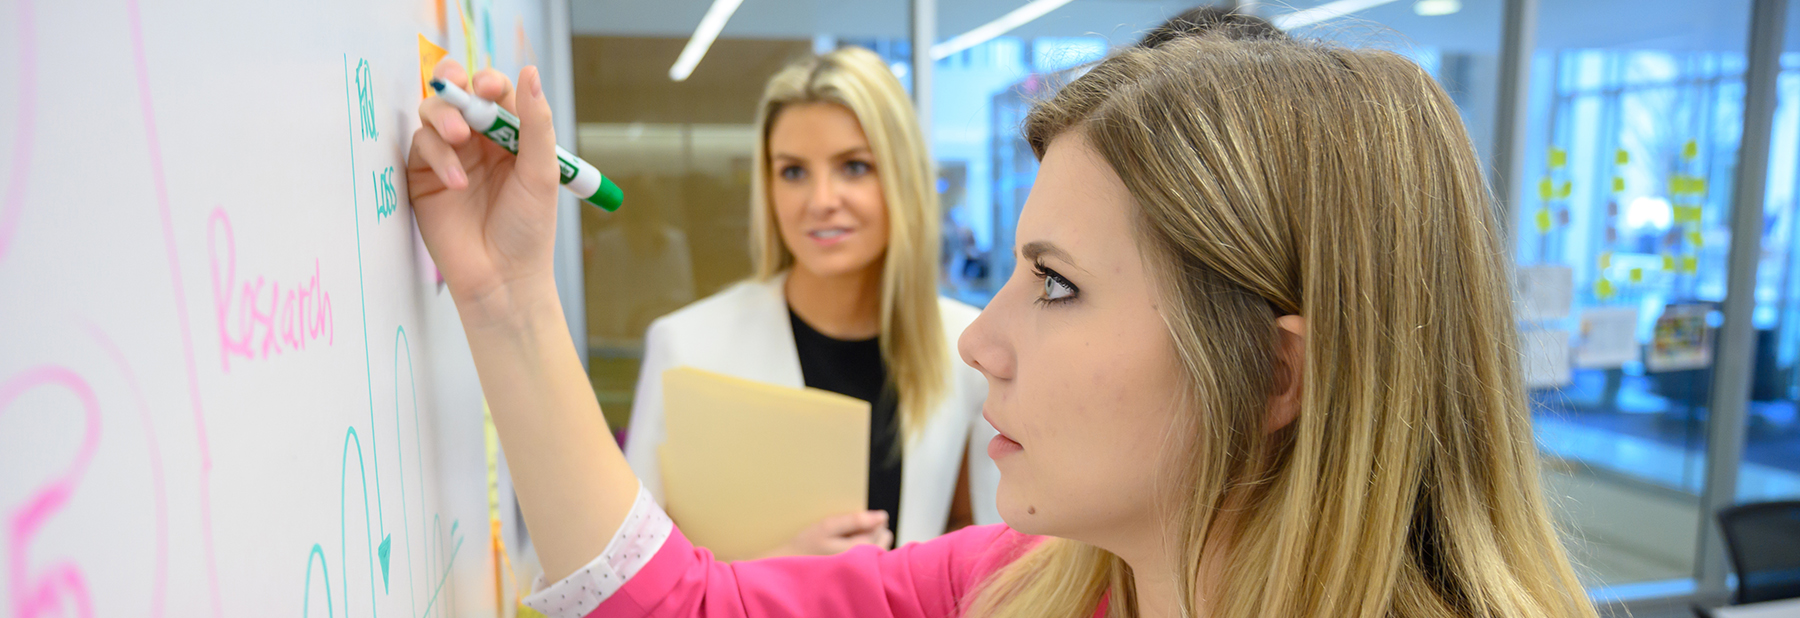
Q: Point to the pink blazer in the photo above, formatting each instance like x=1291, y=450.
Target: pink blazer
x=920, y=580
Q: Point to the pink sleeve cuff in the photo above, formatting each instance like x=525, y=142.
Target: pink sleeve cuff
x=639, y=538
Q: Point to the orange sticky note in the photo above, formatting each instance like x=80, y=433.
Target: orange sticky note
x=429, y=55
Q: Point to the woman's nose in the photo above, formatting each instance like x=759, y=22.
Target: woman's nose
x=824, y=195
x=984, y=344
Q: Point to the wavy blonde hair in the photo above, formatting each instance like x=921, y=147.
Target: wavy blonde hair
x=912, y=334
x=1274, y=178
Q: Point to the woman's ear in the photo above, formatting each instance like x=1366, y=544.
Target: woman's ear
x=1290, y=368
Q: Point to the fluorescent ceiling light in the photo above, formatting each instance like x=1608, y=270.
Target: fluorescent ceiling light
x=1323, y=12
x=709, y=28
x=985, y=32
x=1432, y=8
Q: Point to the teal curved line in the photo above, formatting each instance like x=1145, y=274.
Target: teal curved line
x=448, y=568
x=343, y=544
x=306, y=602
x=400, y=455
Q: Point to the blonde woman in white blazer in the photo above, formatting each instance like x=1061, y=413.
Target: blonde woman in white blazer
x=844, y=232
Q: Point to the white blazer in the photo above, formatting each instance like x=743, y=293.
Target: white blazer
x=744, y=331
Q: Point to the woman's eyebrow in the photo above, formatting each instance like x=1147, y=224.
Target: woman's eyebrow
x=1036, y=249
x=846, y=153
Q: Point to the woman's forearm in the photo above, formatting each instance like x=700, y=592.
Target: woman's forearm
x=574, y=485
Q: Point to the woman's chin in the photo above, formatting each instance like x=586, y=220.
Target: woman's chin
x=837, y=264
x=1019, y=514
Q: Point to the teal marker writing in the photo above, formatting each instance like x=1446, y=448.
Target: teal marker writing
x=501, y=126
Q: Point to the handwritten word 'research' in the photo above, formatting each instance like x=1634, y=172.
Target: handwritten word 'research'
x=258, y=318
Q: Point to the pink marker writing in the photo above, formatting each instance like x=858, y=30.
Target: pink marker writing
x=259, y=319
x=62, y=580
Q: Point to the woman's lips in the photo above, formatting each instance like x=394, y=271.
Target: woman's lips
x=830, y=236
x=1002, y=446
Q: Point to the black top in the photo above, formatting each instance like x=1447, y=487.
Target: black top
x=855, y=368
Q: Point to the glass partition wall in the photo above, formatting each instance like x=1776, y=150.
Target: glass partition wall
x=1628, y=161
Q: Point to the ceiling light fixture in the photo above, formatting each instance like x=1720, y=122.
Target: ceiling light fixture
x=1433, y=8
x=709, y=28
x=986, y=32
x=1323, y=12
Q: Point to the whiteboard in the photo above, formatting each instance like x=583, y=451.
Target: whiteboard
x=230, y=382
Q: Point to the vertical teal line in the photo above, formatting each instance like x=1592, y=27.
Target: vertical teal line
x=368, y=379
x=437, y=534
x=363, y=292
x=400, y=455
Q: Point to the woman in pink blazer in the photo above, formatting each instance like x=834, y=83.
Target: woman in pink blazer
x=1257, y=361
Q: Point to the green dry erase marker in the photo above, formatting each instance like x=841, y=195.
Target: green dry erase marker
x=503, y=128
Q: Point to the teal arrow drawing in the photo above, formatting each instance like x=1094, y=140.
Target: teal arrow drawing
x=383, y=552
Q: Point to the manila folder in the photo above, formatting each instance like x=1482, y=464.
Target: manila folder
x=747, y=464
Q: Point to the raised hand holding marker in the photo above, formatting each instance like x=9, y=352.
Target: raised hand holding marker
x=502, y=127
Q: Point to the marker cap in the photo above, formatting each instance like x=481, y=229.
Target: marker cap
x=609, y=197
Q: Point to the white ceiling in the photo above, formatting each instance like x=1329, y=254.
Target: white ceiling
x=1715, y=25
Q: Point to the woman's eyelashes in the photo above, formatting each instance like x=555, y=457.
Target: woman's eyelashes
x=856, y=168
x=1057, y=289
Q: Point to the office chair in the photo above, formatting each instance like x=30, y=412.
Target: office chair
x=1764, y=542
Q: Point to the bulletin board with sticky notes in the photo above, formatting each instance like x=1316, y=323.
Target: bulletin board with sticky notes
x=231, y=382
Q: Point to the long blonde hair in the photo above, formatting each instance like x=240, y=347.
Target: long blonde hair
x=1274, y=178
x=912, y=335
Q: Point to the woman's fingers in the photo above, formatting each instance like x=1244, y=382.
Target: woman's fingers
x=494, y=86
x=841, y=525
x=447, y=121
x=537, y=165
x=451, y=71
x=442, y=158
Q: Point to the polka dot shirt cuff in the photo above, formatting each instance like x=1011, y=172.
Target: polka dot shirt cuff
x=639, y=538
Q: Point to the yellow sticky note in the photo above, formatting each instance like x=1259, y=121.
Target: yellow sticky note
x=1603, y=289
x=466, y=10
x=1543, y=220
x=1668, y=262
x=1637, y=275
x=1697, y=185
x=1545, y=189
x=1621, y=157
x=1605, y=259
x=1690, y=150
x=1618, y=184
x=1558, y=158
x=1677, y=185
x=1695, y=239
x=1563, y=192
x=429, y=55
x=1689, y=264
